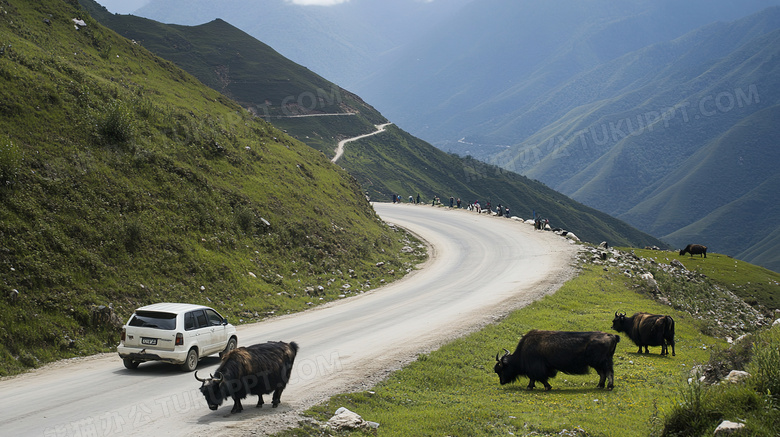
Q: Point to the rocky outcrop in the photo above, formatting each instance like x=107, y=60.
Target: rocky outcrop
x=723, y=313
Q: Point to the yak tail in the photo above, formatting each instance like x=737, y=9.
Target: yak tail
x=670, y=325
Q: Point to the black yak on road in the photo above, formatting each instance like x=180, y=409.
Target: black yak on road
x=646, y=329
x=540, y=355
x=695, y=249
x=258, y=369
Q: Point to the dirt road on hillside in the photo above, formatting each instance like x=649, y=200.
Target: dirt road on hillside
x=340, y=148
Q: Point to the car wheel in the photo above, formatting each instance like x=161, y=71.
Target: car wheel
x=130, y=364
x=191, y=362
x=230, y=346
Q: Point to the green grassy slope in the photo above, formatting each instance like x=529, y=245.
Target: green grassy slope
x=754, y=284
x=389, y=163
x=126, y=181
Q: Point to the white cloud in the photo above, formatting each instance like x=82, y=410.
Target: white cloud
x=317, y=2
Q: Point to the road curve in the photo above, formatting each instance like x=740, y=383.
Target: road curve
x=340, y=148
x=480, y=268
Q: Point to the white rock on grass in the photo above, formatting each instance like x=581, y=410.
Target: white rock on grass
x=345, y=419
x=727, y=428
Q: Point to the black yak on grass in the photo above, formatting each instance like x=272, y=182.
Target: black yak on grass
x=540, y=355
x=646, y=329
x=695, y=249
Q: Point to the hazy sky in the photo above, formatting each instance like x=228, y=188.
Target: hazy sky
x=129, y=6
x=122, y=6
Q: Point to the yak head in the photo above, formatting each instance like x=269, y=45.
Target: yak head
x=211, y=388
x=618, y=323
x=503, y=368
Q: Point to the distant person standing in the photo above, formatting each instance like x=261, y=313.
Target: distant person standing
x=458, y=202
x=452, y=201
x=506, y=214
x=418, y=197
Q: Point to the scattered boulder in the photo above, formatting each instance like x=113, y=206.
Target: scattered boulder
x=650, y=280
x=736, y=376
x=728, y=428
x=345, y=419
x=102, y=315
x=678, y=264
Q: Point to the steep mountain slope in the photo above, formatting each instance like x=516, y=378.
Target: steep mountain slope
x=723, y=171
x=126, y=181
x=387, y=164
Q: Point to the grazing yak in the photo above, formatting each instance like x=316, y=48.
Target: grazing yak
x=258, y=369
x=695, y=249
x=542, y=354
x=646, y=329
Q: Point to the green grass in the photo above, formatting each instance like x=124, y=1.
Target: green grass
x=454, y=391
x=126, y=182
x=754, y=403
x=756, y=285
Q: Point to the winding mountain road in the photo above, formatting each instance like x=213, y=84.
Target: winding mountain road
x=340, y=148
x=480, y=268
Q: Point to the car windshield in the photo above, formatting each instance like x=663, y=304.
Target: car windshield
x=153, y=319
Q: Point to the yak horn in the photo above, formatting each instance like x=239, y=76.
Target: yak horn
x=219, y=377
x=203, y=380
x=506, y=352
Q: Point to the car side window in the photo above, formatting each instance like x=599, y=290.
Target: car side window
x=214, y=318
x=189, y=321
x=200, y=316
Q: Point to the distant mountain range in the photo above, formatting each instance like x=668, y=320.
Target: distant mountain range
x=629, y=107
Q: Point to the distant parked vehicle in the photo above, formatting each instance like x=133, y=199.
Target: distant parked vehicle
x=176, y=333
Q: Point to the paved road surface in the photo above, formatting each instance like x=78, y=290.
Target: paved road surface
x=479, y=269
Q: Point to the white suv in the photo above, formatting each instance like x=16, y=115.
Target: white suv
x=177, y=333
